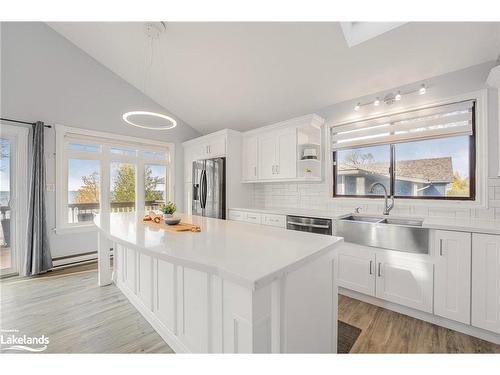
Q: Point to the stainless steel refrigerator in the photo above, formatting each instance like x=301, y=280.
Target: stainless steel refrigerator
x=209, y=188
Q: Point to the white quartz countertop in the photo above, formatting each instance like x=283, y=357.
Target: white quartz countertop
x=252, y=255
x=444, y=223
x=463, y=225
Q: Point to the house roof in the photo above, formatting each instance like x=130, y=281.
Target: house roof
x=423, y=170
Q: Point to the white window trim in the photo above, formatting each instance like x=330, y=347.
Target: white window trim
x=62, y=225
x=494, y=82
x=481, y=135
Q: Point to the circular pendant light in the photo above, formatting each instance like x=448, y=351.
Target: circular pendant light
x=153, y=30
x=171, y=123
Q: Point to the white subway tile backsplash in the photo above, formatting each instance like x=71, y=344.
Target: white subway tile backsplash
x=495, y=203
x=317, y=196
x=481, y=213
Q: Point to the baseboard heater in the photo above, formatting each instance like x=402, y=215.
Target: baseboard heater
x=76, y=259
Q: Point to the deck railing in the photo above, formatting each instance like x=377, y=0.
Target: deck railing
x=79, y=212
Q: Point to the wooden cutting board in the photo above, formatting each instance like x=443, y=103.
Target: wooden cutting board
x=181, y=227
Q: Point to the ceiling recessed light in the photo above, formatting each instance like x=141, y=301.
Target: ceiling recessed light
x=422, y=89
x=398, y=96
x=171, y=123
x=357, y=107
x=376, y=103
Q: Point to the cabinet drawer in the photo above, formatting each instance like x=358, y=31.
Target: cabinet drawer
x=273, y=220
x=237, y=215
x=252, y=217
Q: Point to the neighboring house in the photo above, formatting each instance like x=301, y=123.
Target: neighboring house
x=425, y=177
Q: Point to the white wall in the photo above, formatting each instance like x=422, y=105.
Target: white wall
x=317, y=196
x=45, y=77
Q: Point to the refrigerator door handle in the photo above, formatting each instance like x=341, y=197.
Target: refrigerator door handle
x=201, y=189
x=203, y=197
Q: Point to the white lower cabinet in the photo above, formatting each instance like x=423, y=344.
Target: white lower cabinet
x=404, y=281
x=253, y=217
x=274, y=220
x=355, y=269
x=237, y=215
x=385, y=274
x=486, y=282
x=258, y=218
x=452, y=281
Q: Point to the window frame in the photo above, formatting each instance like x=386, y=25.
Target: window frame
x=480, y=182
x=392, y=173
x=106, y=157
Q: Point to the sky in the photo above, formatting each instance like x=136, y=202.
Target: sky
x=456, y=147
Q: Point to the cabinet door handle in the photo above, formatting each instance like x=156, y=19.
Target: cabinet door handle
x=379, y=267
x=440, y=247
x=255, y=171
x=371, y=262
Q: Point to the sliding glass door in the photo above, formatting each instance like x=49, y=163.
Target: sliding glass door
x=13, y=197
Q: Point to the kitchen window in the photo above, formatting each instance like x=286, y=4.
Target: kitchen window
x=422, y=154
x=101, y=173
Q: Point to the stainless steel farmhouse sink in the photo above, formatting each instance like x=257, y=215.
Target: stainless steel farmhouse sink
x=399, y=234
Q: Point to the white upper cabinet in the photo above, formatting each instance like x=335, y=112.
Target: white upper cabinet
x=286, y=153
x=267, y=156
x=452, y=280
x=250, y=158
x=277, y=154
x=203, y=148
x=210, y=148
x=486, y=282
x=290, y=150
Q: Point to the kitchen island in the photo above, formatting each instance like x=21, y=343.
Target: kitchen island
x=234, y=287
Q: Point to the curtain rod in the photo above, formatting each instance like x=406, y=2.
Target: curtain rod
x=22, y=122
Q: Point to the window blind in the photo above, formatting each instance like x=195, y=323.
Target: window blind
x=433, y=122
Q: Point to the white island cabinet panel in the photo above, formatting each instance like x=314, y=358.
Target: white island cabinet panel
x=166, y=304
x=300, y=299
x=486, y=282
x=145, y=280
x=194, y=310
x=130, y=270
x=234, y=287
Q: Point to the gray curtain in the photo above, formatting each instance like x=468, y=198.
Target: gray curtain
x=38, y=258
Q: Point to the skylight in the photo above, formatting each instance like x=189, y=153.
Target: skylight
x=358, y=32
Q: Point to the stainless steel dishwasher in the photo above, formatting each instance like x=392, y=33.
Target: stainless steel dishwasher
x=309, y=224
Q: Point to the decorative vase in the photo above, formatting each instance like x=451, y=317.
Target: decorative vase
x=168, y=216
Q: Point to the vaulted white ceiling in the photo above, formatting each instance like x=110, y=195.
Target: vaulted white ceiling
x=245, y=75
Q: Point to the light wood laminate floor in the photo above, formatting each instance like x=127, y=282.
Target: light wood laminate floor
x=76, y=314
x=80, y=317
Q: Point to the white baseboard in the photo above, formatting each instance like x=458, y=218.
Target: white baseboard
x=430, y=318
x=74, y=259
